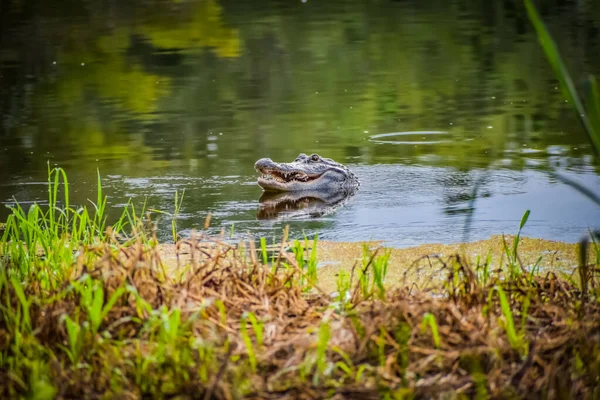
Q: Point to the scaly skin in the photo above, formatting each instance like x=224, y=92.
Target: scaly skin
x=306, y=173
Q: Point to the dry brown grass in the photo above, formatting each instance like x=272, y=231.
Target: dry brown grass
x=309, y=345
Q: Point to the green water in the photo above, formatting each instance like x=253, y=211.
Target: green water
x=422, y=98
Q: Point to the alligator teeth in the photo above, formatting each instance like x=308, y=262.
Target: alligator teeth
x=273, y=177
x=286, y=176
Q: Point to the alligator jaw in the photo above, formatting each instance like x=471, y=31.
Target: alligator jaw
x=305, y=173
x=272, y=178
x=284, y=177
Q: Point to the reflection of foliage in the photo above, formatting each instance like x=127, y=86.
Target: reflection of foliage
x=203, y=27
x=112, y=77
x=319, y=86
x=311, y=77
x=102, y=77
x=101, y=63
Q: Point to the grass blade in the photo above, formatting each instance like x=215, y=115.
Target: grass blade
x=429, y=320
x=561, y=72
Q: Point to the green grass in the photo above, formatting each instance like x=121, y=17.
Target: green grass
x=373, y=272
x=175, y=214
x=588, y=111
x=512, y=252
x=263, y=251
x=516, y=339
x=258, y=329
x=429, y=321
x=343, y=285
x=311, y=265
x=306, y=258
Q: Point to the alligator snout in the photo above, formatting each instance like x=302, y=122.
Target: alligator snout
x=262, y=163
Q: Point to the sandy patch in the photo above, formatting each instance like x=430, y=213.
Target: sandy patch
x=412, y=266
x=420, y=265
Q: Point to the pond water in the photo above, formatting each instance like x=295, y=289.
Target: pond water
x=447, y=111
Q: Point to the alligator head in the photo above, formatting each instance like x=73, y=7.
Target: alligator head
x=305, y=173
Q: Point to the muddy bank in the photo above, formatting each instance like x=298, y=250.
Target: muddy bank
x=422, y=265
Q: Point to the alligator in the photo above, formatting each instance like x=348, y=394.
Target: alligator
x=310, y=186
x=305, y=173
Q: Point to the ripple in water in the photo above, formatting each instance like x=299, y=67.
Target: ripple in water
x=410, y=138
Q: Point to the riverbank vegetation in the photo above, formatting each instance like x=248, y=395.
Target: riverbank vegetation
x=93, y=311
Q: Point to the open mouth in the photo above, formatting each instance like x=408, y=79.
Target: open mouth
x=286, y=177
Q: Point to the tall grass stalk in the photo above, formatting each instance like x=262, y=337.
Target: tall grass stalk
x=298, y=251
x=248, y=342
x=590, y=117
x=374, y=271
x=512, y=253
x=175, y=214
x=311, y=266
x=594, y=236
x=315, y=361
x=588, y=112
x=75, y=335
x=343, y=288
x=516, y=339
x=24, y=303
x=585, y=269
x=263, y=251
x=380, y=267
x=322, y=344
x=429, y=321
x=100, y=206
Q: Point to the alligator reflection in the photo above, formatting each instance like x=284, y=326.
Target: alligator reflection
x=301, y=204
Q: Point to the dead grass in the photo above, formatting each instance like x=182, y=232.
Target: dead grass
x=419, y=266
x=221, y=325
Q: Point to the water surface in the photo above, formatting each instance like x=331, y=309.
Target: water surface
x=424, y=102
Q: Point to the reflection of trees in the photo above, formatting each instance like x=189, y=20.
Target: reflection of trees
x=310, y=77
x=108, y=64
x=305, y=78
x=96, y=82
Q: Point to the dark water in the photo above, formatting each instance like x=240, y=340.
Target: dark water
x=424, y=100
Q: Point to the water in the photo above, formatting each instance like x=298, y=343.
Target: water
x=424, y=102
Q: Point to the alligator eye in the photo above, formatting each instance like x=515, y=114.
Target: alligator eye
x=314, y=157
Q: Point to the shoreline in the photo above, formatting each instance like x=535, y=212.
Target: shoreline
x=418, y=265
